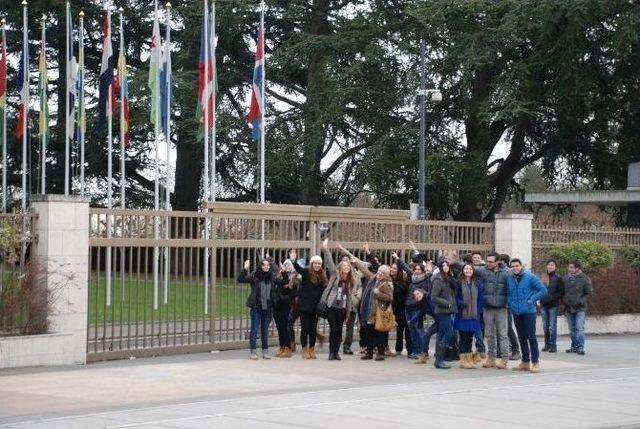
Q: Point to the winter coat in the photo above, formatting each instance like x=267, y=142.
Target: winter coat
x=309, y=294
x=425, y=285
x=555, y=291
x=468, y=325
x=443, y=294
x=495, y=286
x=371, y=299
x=255, y=279
x=577, y=290
x=331, y=291
x=524, y=290
x=286, y=292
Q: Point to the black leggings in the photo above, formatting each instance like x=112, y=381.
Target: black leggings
x=308, y=326
x=375, y=339
x=466, y=339
x=335, y=317
x=281, y=317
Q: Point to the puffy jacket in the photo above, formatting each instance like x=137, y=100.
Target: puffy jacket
x=495, y=286
x=524, y=290
x=555, y=289
x=443, y=294
x=577, y=290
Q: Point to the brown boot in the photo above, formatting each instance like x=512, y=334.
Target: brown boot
x=535, y=367
x=390, y=353
x=422, y=359
x=312, y=353
x=502, y=364
x=279, y=352
x=489, y=363
x=523, y=366
x=305, y=353
x=466, y=361
x=286, y=353
x=293, y=347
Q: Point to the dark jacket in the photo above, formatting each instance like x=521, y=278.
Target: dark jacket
x=309, y=294
x=286, y=292
x=495, y=286
x=371, y=299
x=443, y=294
x=256, y=278
x=577, y=290
x=555, y=291
x=524, y=290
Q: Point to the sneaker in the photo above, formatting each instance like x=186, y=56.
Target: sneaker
x=253, y=355
x=265, y=354
x=580, y=352
x=552, y=350
x=347, y=351
x=412, y=356
x=570, y=350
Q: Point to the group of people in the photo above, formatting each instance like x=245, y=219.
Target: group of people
x=465, y=299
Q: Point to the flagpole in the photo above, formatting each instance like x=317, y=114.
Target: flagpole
x=43, y=102
x=262, y=110
x=213, y=95
x=167, y=136
x=122, y=118
x=156, y=196
x=4, y=123
x=109, y=160
x=206, y=185
x=67, y=108
x=25, y=88
x=81, y=112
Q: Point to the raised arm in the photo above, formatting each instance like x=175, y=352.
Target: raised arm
x=328, y=259
x=402, y=264
x=361, y=266
x=244, y=276
x=293, y=257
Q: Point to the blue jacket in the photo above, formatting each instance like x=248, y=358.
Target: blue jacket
x=524, y=290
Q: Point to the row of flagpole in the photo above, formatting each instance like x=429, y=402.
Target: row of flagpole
x=160, y=84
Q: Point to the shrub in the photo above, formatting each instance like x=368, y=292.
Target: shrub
x=591, y=254
x=631, y=255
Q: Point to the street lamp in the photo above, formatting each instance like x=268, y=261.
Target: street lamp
x=434, y=96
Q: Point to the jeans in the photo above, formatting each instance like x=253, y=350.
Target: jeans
x=402, y=330
x=281, y=316
x=431, y=331
x=335, y=317
x=308, y=329
x=466, y=338
x=294, y=314
x=576, y=326
x=416, y=333
x=495, y=325
x=513, y=338
x=550, y=326
x=260, y=319
x=526, y=327
x=479, y=336
x=445, y=329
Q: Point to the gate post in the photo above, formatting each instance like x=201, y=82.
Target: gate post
x=61, y=257
x=514, y=236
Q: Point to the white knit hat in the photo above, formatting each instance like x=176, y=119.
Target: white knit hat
x=315, y=258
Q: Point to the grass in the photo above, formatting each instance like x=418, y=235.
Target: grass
x=185, y=301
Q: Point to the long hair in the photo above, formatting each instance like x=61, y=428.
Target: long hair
x=318, y=278
x=351, y=278
x=463, y=278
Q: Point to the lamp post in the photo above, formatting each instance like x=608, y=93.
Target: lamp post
x=435, y=96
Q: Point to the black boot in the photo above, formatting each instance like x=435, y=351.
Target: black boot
x=439, y=362
x=347, y=351
x=332, y=356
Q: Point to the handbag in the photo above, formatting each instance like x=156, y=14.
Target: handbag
x=385, y=320
x=322, y=306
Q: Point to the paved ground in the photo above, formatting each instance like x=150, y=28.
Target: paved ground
x=226, y=390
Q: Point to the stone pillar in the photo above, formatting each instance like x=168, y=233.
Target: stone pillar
x=61, y=257
x=513, y=236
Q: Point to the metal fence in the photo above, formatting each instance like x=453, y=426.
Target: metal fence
x=547, y=237
x=193, y=302
x=18, y=233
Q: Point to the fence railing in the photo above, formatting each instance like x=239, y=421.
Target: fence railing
x=546, y=237
x=165, y=282
x=18, y=230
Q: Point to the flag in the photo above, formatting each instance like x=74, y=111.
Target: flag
x=43, y=84
x=256, y=111
x=165, y=83
x=3, y=82
x=122, y=87
x=23, y=89
x=106, y=71
x=72, y=79
x=205, y=83
x=154, y=64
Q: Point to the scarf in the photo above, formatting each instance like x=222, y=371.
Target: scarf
x=470, y=296
x=417, y=278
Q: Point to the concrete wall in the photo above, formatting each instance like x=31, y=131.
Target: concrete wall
x=514, y=236
x=61, y=260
